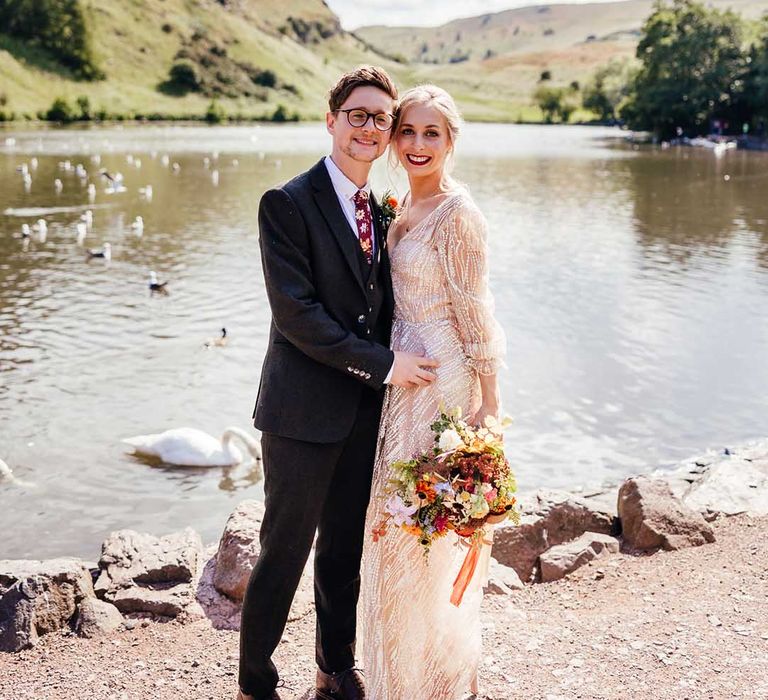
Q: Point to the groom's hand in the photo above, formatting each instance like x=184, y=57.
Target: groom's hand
x=412, y=370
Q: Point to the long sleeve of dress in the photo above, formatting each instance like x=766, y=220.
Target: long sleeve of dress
x=463, y=252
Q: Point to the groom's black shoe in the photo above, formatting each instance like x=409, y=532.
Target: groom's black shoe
x=345, y=685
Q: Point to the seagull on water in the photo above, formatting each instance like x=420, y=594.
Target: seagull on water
x=104, y=252
x=155, y=286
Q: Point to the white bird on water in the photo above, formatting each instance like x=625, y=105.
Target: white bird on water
x=104, y=252
x=146, y=192
x=5, y=471
x=218, y=342
x=42, y=230
x=6, y=474
x=137, y=226
x=155, y=285
x=87, y=218
x=82, y=232
x=190, y=447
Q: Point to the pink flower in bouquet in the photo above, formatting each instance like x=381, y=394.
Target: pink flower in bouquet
x=441, y=523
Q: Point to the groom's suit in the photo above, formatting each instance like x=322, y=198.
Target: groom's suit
x=318, y=408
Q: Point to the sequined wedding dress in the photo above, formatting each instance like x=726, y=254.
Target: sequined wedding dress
x=416, y=645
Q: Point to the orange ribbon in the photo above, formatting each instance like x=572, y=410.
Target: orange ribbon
x=467, y=571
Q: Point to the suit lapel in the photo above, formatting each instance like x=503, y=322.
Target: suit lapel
x=328, y=203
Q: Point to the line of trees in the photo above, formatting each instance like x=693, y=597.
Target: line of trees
x=695, y=67
x=58, y=26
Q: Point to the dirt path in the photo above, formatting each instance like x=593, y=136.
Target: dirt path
x=680, y=625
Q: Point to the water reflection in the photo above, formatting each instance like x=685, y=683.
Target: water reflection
x=632, y=285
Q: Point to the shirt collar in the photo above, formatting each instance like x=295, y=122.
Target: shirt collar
x=341, y=183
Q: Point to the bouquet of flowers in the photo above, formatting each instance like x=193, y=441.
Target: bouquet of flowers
x=462, y=484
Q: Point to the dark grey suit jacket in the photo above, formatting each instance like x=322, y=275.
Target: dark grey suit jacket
x=330, y=328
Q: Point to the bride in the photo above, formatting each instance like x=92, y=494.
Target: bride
x=416, y=644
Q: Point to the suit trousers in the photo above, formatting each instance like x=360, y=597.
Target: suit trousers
x=310, y=488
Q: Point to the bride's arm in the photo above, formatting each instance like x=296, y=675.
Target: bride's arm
x=465, y=262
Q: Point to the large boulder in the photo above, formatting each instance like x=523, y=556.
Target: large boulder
x=502, y=580
x=37, y=597
x=96, y=617
x=141, y=573
x=561, y=560
x=548, y=519
x=731, y=486
x=238, y=549
x=652, y=517
x=226, y=573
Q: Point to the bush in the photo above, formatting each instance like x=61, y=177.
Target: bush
x=84, y=105
x=183, y=75
x=59, y=26
x=280, y=114
x=215, y=113
x=60, y=111
x=265, y=78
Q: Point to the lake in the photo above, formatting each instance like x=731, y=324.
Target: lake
x=632, y=283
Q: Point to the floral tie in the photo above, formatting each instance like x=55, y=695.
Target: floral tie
x=364, y=223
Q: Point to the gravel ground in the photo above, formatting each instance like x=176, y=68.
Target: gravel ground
x=686, y=625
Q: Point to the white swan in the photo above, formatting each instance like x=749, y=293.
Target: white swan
x=6, y=474
x=5, y=471
x=189, y=447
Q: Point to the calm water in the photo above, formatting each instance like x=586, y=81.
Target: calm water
x=632, y=283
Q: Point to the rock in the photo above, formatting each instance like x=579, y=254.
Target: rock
x=561, y=560
x=141, y=573
x=97, y=617
x=238, y=549
x=163, y=602
x=37, y=597
x=652, y=517
x=731, y=486
x=129, y=557
x=502, y=580
x=549, y=518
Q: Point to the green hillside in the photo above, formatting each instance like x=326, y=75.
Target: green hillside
x=492, y=63
x=135, y=42
x=256, y=55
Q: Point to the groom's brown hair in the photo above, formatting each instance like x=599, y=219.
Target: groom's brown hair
x=364, y=75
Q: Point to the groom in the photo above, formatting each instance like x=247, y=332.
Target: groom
x=326, y=271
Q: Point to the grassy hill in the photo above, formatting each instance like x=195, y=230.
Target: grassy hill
x=492, y=62
x=137, y=41
x=253, y=55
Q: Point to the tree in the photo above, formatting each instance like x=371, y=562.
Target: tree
x=58, y=26
x=555, y=102
x=607, y=88
x=691, y=62
x=756, y=76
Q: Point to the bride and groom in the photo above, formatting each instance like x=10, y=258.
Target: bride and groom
x=375, y=323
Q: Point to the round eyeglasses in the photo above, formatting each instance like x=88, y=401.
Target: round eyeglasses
x=359, y=117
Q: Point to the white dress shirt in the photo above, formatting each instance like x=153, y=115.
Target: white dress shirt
x=345, y=190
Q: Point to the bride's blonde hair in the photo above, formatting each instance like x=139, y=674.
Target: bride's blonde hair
x=430, y=96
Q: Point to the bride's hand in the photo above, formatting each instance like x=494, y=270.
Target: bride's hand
x=485, y=411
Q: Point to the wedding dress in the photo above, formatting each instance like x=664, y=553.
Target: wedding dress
x=417, y=645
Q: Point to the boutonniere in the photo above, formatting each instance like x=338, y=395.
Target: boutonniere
x=388, y=208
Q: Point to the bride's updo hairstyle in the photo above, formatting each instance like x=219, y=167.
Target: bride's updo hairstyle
x=430, y=96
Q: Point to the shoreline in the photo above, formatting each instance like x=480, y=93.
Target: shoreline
x=687, y=622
